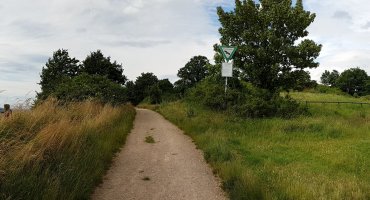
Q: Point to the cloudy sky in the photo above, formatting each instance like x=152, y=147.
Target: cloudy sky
x=157, y=36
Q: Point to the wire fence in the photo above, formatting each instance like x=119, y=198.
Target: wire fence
x=335, y=102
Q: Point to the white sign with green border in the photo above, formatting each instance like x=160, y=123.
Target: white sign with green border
x=228, y=52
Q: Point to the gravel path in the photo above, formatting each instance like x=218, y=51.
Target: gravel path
x=170, y=168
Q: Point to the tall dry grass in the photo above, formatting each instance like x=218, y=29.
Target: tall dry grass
x=59, y=152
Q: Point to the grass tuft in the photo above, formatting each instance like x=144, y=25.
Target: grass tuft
x=149, y=139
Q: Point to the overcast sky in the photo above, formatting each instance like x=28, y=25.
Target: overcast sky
x=157, y=36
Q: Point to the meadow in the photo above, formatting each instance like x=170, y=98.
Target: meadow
x=322, y=155
x=60, y=152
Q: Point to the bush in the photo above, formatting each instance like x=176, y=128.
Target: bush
x=243, y=99
x=87, y=86
x=327, y=90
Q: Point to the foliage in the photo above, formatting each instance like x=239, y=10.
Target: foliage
x=193, y=72
x=63, y=77
x=60, y=152
x=87, y=86
x=155, y=94
x=141, y=88
x=300, y=80
x=243, y=99
x=166, y=86
x=58, y=69
x=330, y=78
x=353, y=81
x=97, y=64
x=326, y=90
x=321, y=156
x=267, y=35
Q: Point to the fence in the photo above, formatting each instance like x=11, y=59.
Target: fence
x=335, y=102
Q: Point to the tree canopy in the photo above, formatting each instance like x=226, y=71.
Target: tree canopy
x=58, y=69
x=97, y=64
x=98, y=78
x=194, y=71
x=270, y=39
x=330, y=78
x=353, y=81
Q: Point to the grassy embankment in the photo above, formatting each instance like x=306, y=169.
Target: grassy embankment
x=325, y=155
x=60, y=153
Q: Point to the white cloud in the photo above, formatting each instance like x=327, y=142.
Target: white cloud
x=342, y=28
x=157, y=36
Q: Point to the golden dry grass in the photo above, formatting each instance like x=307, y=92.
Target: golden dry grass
x=42, y=144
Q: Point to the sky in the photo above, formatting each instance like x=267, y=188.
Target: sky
x=157, y=36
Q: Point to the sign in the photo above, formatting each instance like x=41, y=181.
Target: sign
x=228, y=52
x=227, y=69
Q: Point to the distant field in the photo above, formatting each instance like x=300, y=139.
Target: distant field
x=55, y=152
x=325, y=155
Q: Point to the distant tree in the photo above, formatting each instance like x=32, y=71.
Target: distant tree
x=193, y=72
x=165, y=86
x=330, y=78
x=97, y=64
x=131, y=92
x=142, y=87
x=301, y=79
x=58, y=69
x=155, y=94
x=267, y=34
x=353, y=81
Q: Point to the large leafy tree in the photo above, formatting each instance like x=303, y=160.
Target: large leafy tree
x=330, y=78
x=97, y=64
x=58, y=69
x=270, y=39
x=353, y=81
x=193, y=72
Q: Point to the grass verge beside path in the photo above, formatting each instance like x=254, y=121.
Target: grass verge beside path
x=60, y=153
x=322, y=156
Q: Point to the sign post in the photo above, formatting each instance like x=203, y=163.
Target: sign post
x=227, y=67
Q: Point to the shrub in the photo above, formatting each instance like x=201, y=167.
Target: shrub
x=243, y=99
x=87, y=86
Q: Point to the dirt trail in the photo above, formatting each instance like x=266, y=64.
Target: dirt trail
x=174, y=167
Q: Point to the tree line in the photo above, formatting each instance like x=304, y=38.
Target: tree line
x=354, y=81
x=99, y=78
x=273, y=56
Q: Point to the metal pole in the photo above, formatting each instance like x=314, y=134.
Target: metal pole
x=226, y=86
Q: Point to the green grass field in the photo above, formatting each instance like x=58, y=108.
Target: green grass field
x=55, y=152
x=324, y=155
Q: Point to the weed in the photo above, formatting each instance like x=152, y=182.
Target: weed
x=149, y=139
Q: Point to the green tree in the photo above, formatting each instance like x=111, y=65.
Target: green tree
x=268, y=35
x=353, y=81
x=302, y=80
x=58, y=69
x=193, y=72
x=166, y=86
x=330, y=78
x=155, y=94
x=142, y=87
x=97, y=64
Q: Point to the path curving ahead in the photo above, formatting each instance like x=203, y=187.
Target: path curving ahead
x=170, y=168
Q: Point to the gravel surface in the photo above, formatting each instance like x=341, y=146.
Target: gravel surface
x=169, y=168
